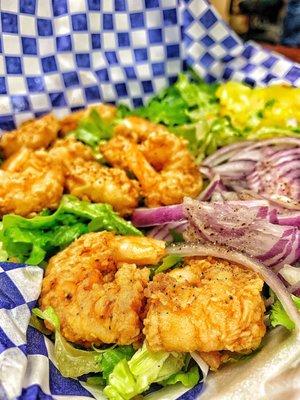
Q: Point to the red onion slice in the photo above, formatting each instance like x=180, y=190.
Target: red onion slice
x=143, y=217
x=245, y=228
x=225, y=153
x=164, y=232
x=192, y=250
x=215, y=185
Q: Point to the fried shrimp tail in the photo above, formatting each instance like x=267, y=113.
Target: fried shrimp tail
x=36, y=134
x=97, y=289
x=160, y=161
x=30, y=182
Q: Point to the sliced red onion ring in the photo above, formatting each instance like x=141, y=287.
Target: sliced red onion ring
x=201, y=364
x=289, y=218
x=143, y=217
x=290, y=274
x=215, y=185
x=164, y=232
x=192, y=250
x=225, y=153
x=235, y=169
x=248, y=229
x=270, y=168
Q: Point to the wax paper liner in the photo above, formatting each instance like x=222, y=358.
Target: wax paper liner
x=60, y=55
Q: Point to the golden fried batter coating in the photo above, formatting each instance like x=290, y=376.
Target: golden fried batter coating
x=208, y=305
x=35, y=134
x=106, y=111
x=89, y=180
x=30, y=181
x=97, y=295
x=161, y=161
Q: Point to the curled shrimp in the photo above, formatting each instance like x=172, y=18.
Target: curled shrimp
x=89, y=180
x=30, y=181
x=96, y=288
x=36, y=134
x=160, y=161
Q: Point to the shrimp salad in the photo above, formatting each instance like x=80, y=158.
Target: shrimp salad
x=169, y=234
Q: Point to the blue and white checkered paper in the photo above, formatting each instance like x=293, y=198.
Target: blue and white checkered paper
x=63, y=54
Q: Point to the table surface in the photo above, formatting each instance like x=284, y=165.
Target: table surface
x=289, y=52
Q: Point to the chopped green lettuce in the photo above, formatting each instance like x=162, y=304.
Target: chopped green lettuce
x=34, y=240
x=112, y=357
x=188, y=379
x=71, y=362
x=168, y=262
x=130, y=378
x=93, y=129
x=278, y=315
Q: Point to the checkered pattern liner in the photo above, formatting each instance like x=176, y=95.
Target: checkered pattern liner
x=62, y=54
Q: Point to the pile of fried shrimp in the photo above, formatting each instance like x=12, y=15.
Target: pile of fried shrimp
x=100, y=285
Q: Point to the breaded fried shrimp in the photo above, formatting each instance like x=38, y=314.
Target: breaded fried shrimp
x=30, y=181
x=89, y=180
x=35, y=134
x=161, y=161
x=97, y=289
x=208, y=305
x=106, y=111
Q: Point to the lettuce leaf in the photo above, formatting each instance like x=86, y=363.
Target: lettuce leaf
x=168, y=262
x=130, y=378
x=168, y=107
x=93, y=129
x=188, y=379
x=278, y=315
x=112, y=357
x=34, y=240
x=71, y=362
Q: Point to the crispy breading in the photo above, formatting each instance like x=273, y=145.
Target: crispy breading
x=160, y=161
x=106, y=111
x=35, y=134
x=87, y=179
x=208, y=305
x=30, y=181
x=97, y=295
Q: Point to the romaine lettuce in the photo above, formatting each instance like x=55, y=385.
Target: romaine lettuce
x=278, y=315
x=71, y=362
x=33, y=240
x=130, y=378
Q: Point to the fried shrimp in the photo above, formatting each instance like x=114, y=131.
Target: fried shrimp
x=208, y=305
x=89, y=180
x=106, y=111
x=96, y=288
x=161, y=161
x=36, y=134
x=30, y=181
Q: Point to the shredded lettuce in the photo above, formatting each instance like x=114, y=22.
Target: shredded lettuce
x=112, y=357
x=130, y=378
x=34, y=240
x=93, y=129
x=278, y=315
x=71, y=362
x=168, y=262
x=188, y=379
